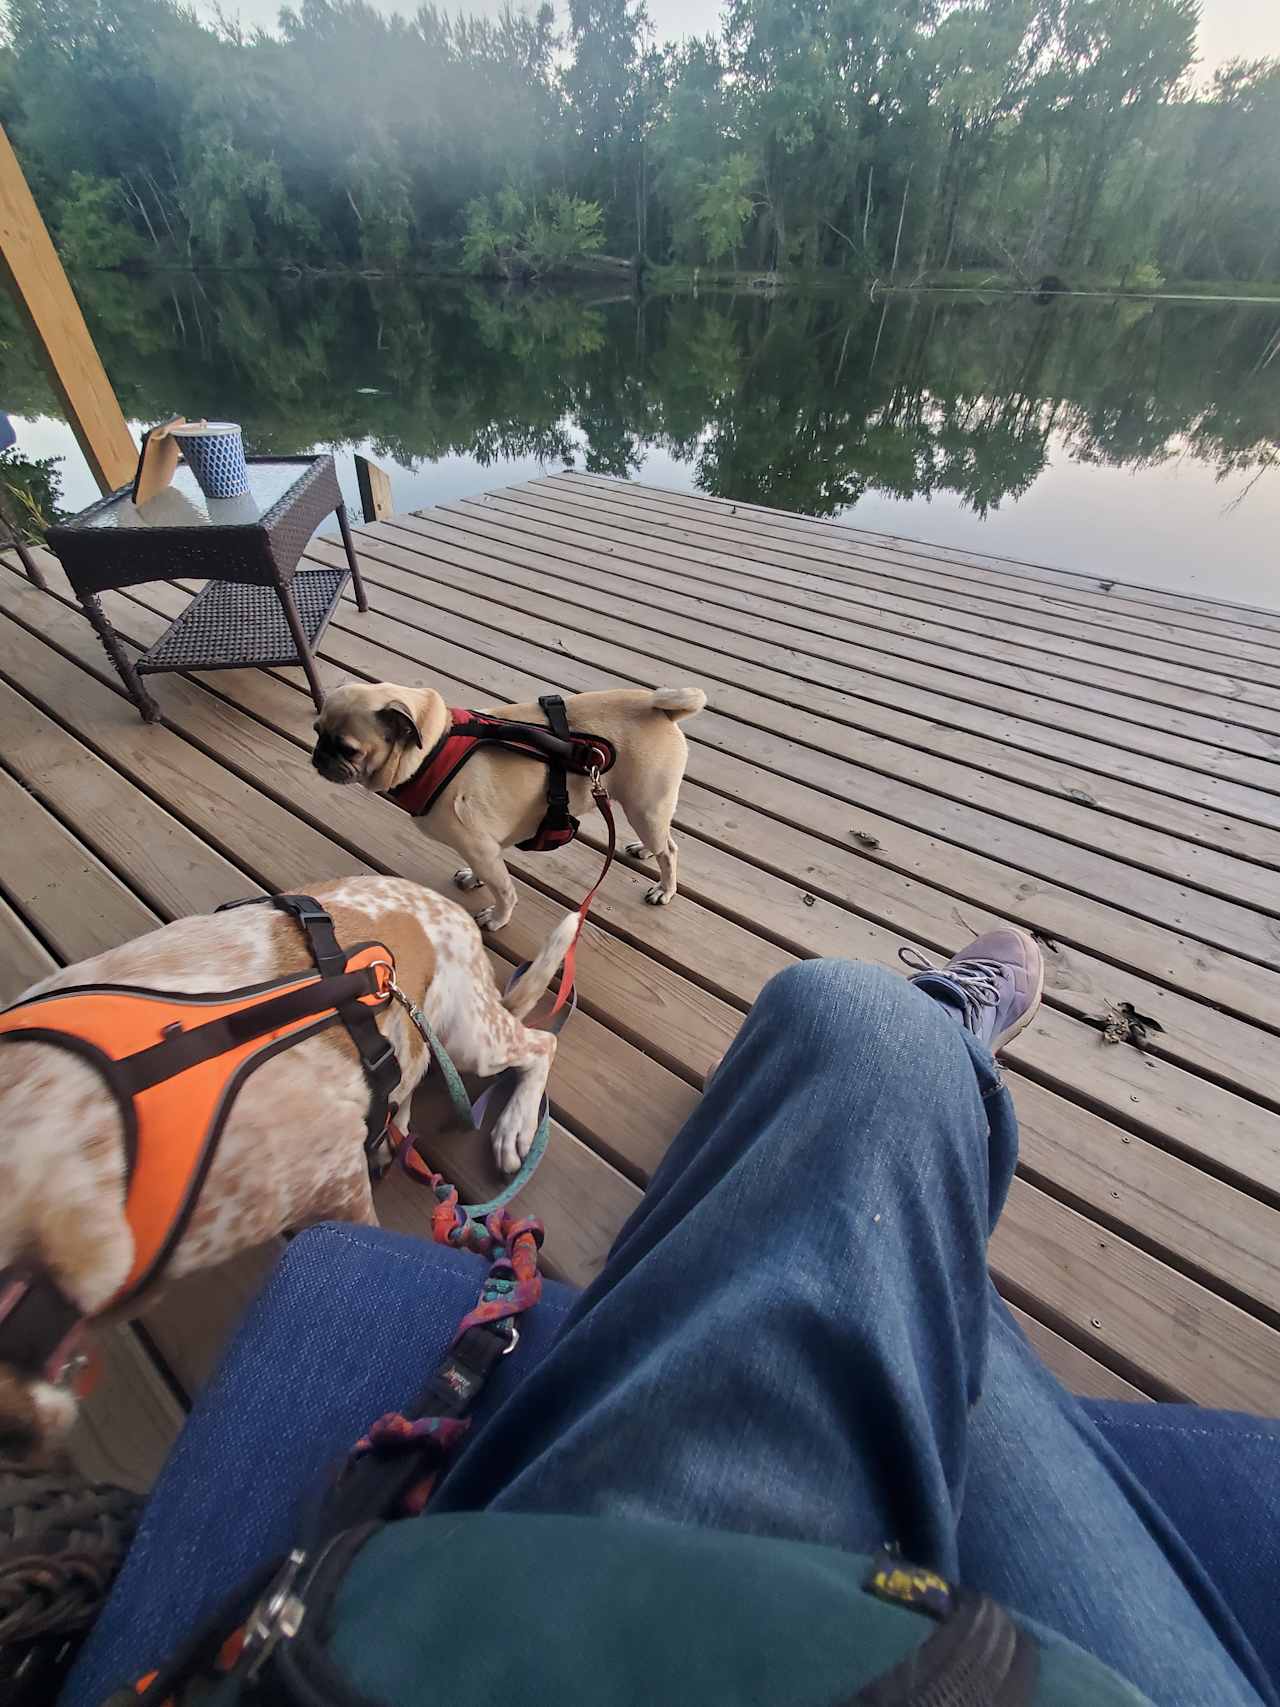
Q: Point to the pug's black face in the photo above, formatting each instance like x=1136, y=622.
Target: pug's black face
x=360, y=731
x=336, y=756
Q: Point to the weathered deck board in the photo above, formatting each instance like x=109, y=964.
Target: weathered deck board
x=1070, y=648
x=952, y=563
x=929, y=677
x=799, y=616
x=1118, y=630
x=1120, y=795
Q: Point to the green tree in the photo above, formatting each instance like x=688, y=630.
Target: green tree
x=1223, y=219
x=608, y=99
x=30, y=493
x=876, y=136
x=724, y=206
x=92, y=225
x=505, y=238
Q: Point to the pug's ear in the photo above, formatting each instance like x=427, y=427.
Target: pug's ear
x=398, y=722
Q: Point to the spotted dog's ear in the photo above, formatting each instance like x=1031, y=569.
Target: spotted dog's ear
x=399, y=723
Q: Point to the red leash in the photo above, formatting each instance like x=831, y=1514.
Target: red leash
x=601, y=797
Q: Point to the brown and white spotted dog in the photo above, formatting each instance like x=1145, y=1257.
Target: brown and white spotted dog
x=292, y=1149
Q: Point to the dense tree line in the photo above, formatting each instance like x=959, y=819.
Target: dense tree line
x=902, y=137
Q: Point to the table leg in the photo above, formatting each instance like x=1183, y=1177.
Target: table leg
x=92, y=607
x=362, y=603
x=28, y=562
x=305, y=657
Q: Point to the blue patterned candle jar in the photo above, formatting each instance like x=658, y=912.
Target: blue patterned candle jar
x=214, y=451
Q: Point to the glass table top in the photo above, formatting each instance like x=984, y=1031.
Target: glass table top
x=183, y=505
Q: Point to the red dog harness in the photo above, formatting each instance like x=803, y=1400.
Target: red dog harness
x=558, y=747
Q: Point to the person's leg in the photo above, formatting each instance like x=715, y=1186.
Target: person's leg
x=720, y=1370
x=1056, y=1527
x=792, y=1331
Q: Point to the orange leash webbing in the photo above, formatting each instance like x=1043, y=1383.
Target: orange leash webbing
x=601, y=797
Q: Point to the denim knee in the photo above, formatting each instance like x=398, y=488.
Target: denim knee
x=824, y=1014
x=859, y=1050
x=833, y=999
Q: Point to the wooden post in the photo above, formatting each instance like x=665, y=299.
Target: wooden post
x=43, y=293
x=375, y=490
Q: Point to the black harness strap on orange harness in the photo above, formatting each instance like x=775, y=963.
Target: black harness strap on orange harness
x=558, y=747
x=38, y=1322
x=377, y=1057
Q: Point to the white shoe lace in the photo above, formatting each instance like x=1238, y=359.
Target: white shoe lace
x=976, y=982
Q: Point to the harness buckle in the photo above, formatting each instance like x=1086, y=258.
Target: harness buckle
x=386, y=1056
x=384, y=977
x=380, y=1151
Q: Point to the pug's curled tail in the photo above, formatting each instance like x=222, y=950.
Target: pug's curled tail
x=679, y=702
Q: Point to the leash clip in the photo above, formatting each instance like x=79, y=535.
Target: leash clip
x=276, y=1618
x=72, y=1370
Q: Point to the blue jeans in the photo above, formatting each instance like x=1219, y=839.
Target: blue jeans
x=796, y=1335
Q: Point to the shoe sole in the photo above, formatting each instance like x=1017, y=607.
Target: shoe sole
x=1033, y=1006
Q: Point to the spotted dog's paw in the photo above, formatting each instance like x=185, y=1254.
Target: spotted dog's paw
x=465, y=878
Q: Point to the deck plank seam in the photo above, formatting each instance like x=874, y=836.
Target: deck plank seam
x=732, y=529
x=874, y=638
x=896, y=542
x=917, y=744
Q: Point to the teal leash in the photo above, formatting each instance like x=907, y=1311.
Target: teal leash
x=439, y=1054
x=469, y=1113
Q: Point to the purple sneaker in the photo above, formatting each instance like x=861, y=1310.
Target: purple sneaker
x=995, y=983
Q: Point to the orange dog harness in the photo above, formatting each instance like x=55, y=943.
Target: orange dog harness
x=174, y=1063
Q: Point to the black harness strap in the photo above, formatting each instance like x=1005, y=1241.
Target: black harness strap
x=557, y=824
x=377, y=1057
x=553, y=744
x=188, y=1048
x=38, y=1318
x=317, y=927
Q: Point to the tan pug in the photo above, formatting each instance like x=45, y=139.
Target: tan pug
x=379, y=735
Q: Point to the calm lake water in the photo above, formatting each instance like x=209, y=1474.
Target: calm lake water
x=1137, y=439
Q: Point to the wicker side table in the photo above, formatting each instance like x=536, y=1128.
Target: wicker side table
x=257, y=608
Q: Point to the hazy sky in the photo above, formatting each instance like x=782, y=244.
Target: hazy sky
x=1248, y=28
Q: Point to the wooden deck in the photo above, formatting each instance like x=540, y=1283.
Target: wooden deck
x=904, y=745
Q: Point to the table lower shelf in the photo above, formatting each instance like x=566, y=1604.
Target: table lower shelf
x=232, y=625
